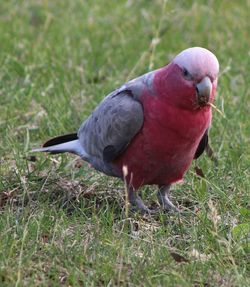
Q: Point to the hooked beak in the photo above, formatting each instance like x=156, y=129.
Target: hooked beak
x=204, y=88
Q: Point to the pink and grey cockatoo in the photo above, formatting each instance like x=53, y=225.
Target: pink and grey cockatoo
x=154, y=126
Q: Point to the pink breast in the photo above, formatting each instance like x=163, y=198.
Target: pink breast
x=163, y=150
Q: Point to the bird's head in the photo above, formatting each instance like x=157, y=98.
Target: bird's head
x=190, y=80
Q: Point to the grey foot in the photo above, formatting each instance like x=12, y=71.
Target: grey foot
x=163, y=197
x=136, y=201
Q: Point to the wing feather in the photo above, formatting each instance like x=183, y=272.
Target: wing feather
x=111, y=127
x=202, y=145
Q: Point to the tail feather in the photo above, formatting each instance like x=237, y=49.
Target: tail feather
x=61, y=144
x=60, y=139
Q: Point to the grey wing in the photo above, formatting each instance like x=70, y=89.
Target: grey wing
x=110, y=128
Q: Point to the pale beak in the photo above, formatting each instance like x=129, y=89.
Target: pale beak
x=204, y=88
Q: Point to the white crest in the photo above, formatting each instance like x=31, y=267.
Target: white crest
x=198, y=61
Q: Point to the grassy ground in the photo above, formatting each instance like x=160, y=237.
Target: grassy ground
x=62, y=223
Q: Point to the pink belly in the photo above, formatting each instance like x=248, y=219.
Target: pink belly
x=156, y=163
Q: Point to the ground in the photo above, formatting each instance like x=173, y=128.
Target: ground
x=62, y=223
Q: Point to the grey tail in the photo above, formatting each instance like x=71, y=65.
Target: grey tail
x=61, y=139
x=61, y=144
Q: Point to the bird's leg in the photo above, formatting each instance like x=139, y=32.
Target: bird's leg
x=135, y=200
x=163, y=197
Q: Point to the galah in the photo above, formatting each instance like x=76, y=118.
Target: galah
x=148, y=131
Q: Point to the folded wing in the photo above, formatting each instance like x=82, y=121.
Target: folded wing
x=110, y=128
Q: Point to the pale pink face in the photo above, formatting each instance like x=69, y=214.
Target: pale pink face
x=190, y=80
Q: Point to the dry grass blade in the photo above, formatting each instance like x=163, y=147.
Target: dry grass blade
x=217, y=110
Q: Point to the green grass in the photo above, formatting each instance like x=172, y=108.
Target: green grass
x=62, y=223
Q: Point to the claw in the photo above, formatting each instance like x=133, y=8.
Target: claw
x=163, y=197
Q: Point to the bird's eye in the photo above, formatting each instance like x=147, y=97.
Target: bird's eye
x=186, y=74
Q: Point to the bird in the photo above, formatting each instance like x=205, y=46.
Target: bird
x=149, y=130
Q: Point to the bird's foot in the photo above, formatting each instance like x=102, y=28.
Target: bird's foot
x=139, y=204
x=166, y=203
x=136, y=201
